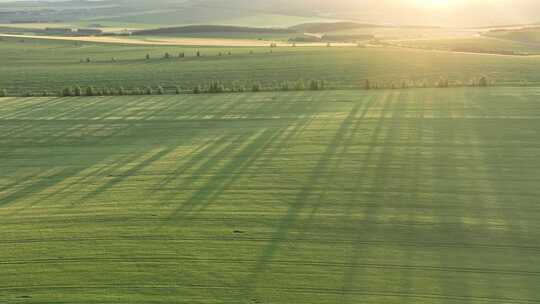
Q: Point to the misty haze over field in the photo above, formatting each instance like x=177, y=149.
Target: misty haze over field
x=460, y=13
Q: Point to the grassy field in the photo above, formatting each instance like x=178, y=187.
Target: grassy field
x=524, y=35
x=39, y=65
x=409, y=196
x=476, y=44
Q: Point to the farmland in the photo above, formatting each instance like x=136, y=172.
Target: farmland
x=483, y=44
x=32, y=65
x=387, y=196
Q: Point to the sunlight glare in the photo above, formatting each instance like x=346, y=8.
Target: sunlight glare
x=433, y=3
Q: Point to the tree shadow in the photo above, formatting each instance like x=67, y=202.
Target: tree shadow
x=377, y=185
x=45, y=183
x=317, y=175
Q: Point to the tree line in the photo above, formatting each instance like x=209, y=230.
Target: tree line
x=180, y=55
x=216, y=87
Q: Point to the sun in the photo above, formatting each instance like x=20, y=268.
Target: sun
x=433, y=3
x=439, y=2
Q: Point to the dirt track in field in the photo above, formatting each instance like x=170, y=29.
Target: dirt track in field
x=173, y=41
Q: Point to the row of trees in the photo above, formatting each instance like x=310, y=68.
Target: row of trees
x=168, y=55
x=318, y=85
x=220, y=87
x=441, y=83
x=91, y=91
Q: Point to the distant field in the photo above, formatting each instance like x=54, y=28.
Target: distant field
x=219, y=16
x=39, y=65
x=412, y=196
x=483, y=44
x=524, y=35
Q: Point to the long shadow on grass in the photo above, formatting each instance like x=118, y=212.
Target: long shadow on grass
x=44, y=183
x=448, y=179
x=357, y=114
x=219, y=181
x=32, y=107
x=251, y=147
x=39, y=185
x=295, y=128
x=378, y=185
x=313, y=181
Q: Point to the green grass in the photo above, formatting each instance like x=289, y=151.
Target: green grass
x=398, y=196
x=477, y=44
x=216, y=16
x=529, y=36
x=38, y=65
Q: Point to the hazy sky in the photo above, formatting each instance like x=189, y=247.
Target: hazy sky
x=412, y=12
x=441, y=12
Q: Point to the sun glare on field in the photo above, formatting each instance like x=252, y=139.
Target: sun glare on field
x=433, y=3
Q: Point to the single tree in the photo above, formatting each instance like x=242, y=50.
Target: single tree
x=148, y=91
x=442, y=83
x=160, y=90
x=147, y=57
x=67, y=92
x=3, y=93
x=256, y=87
x=482, y=82
x=90, y=91
x=77, y=91
x=198, y=53
x=177, y=90
x=299, y=86
x=367, y=84
x=314, y=85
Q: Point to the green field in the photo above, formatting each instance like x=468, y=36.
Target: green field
x=527, y=35
x=390, y=196
x=483, y=44
x=28, y=65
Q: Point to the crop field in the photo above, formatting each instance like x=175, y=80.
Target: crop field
x=31, y=65
x=388, y=196
x=483, y=44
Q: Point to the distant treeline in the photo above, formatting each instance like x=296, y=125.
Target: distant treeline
x=194, y=29
x=301, y=28
x=234, y=87
x=321, y=27
x=486, y=51
x=332, y=38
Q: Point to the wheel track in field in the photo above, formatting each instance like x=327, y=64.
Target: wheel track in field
x=248, y=239
x=172, y=259
x=296, y=290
